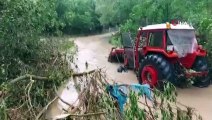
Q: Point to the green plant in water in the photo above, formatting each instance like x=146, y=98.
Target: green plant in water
x=163, y=106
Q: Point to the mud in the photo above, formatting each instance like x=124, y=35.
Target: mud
x=95, y=49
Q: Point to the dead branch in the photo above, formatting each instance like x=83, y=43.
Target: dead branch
x=58, y=96
x=45, y=108
x=83, y=73
x=34, y=77
x=63, y=100
x=81, y=100
x=145, y=104
x=54, y=60
x=150, y=110
x=86, y=115
x=28, y=95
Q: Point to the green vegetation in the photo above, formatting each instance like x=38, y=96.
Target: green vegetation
x=78, y=16
x=116, y=40
x=32, y=61
x=140, y=13
x=165, y=107
x=144, y=12
x=30, y=65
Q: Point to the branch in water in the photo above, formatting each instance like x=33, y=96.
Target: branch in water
x=83, y=73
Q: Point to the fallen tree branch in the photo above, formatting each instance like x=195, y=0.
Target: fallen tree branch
x=83, y=73
x=45, y=108
x=28, y=95
x=150, y=110
x=34, y=77
x=58, y=96
x=54, y=60
x=86, y=115
x=81, y=100
x=63, y=100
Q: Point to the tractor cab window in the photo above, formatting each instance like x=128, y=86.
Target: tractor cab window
x=170, y=46
x=156, y=39
x=184, y=41
x=143, y=39
x=168, y=41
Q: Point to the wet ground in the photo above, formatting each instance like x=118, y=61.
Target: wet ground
x=95, y=49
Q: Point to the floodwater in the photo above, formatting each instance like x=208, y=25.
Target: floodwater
x=94, y=50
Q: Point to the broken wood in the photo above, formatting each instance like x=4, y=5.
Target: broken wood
x=45, y=108
x=86, y=115
x=34, y=77
x=83, y=73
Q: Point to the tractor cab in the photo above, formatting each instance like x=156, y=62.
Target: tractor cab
x=176, y=42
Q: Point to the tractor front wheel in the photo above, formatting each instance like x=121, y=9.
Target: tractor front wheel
x=154, y=69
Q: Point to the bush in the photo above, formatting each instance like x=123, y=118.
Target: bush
x=163, y=107
x=205, y=32
x=30, y=65
x=116, y=40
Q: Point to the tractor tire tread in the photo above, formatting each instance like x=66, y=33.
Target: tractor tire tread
x=199, y=65
x=165, y=69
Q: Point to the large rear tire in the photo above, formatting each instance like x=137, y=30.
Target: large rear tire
x=154, y=70
x=200, y=65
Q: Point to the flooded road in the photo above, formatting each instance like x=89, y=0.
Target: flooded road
x=95, y=49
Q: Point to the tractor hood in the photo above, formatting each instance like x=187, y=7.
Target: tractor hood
x=183, y=41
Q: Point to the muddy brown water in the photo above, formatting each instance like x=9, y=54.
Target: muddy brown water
x=95, y=49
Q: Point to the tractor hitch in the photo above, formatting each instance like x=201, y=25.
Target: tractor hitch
x=196, y=74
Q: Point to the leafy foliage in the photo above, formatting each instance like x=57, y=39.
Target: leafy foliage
x=164, y=106
x=24, y=51
x=21, y=25
x=114, y=12
x=78, y=16
x=153, y=12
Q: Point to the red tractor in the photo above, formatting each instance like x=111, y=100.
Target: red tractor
x=164, y=52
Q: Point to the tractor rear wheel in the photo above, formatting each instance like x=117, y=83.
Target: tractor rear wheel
x=200, y=65
x=154, y=69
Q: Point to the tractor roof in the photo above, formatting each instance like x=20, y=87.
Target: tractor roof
x=168, y=26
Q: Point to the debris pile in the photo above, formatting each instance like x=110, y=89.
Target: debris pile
x=84, y=97
x=88, y=95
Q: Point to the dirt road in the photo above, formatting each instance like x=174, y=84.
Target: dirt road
x=95, y=49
